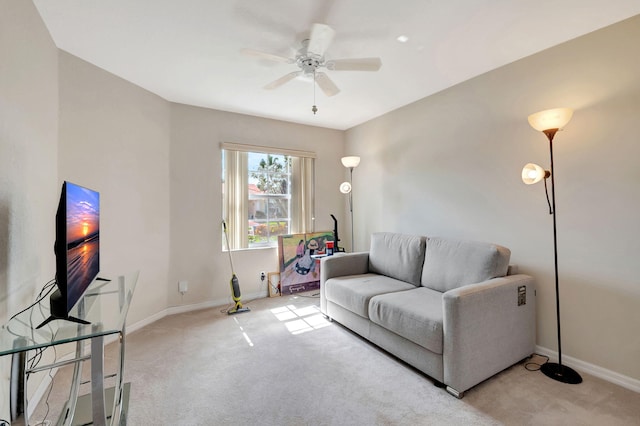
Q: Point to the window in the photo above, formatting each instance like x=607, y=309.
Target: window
x=269, y=197
x=267, y=192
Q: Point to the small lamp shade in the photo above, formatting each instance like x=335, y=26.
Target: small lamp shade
x=350, y=162
x=532, y=173
x=345, y=187
x=549, y=119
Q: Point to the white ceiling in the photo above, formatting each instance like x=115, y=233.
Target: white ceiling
x=188, y=51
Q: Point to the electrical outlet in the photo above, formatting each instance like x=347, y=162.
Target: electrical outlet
x=262, y=276
x=183, y=286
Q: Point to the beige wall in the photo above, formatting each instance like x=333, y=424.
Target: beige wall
x=449, y=165
x=114, y=138
x=28, y=169
x=196, y=197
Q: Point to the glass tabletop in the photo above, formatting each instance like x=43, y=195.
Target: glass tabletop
x=104, y=305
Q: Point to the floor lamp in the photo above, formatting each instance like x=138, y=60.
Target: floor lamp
x=351, y=163
x=549, y=122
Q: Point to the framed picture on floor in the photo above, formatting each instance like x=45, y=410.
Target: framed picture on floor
x=299, y=271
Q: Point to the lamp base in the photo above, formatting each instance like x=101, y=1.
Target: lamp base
x=561, y=373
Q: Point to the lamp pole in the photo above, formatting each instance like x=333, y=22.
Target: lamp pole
x=550, y=135
x=557, y=371
x=351, y=207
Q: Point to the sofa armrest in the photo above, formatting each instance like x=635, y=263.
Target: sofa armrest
x=340, y=265
x=486, y=329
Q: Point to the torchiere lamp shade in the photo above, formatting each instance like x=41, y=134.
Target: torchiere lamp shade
x=351, y=161
x=555, y=118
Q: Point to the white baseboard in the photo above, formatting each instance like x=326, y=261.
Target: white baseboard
x=173, y=310
x=597, y=371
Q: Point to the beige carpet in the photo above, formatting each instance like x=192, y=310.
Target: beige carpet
x=283, y=364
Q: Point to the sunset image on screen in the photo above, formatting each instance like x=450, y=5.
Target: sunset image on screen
x=83, y=217
x=83, y=239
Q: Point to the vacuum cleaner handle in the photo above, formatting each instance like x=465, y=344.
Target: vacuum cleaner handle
x=224, y=225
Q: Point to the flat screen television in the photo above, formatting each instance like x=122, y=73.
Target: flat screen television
x=77, y=249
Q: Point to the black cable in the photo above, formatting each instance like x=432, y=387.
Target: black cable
x=227, y=309
x=46, y=401
x=34, y=361
x=38, y=352
x=44, y=292
x=40, y=297
x=537, y=366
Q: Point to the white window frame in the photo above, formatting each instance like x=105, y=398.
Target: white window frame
x=235, y=192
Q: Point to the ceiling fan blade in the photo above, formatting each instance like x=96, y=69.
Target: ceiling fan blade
x=321, y=37
x=325, y=83
x=355, y=64
x=265, y=55
x=282, y=80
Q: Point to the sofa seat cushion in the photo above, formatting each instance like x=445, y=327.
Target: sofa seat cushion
x=415, y=315
x=353, y=292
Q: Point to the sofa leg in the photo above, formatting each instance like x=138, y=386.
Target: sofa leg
x=454, y=392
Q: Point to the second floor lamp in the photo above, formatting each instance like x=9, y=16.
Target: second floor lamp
x=350, y=162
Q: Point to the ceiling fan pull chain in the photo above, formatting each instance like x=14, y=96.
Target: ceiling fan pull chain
x=314, y=108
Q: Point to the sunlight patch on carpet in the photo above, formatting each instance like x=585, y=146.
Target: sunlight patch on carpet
x=244, y=334
x=300, y=320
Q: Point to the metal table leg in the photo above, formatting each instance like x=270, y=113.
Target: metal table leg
x=97, y=381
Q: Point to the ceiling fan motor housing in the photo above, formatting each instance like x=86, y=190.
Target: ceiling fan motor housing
x=309, y=64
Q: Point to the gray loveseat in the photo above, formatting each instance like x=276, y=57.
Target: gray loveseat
x=447, y=307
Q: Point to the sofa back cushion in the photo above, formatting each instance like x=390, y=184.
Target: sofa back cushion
x=397, y=256
x=449, y=264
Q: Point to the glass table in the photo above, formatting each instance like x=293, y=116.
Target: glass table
x=104, y=305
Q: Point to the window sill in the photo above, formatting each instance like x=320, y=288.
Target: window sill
x=224, y=250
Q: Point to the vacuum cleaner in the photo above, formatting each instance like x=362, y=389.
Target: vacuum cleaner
x=337, y=248
x=235, y=284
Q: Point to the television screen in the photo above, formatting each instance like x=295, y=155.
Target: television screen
x=77, y=248
x=83, y=241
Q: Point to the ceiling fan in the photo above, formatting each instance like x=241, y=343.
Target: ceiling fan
x=310, y=57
